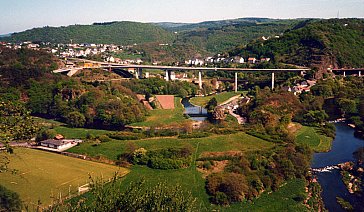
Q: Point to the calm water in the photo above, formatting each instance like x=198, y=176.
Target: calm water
x=196, y=113
x=342, y=151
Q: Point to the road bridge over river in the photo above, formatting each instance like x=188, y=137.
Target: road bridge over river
x=168, y=69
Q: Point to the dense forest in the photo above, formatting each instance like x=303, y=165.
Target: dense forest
x=334, y=43
x=26, y=78
x=122, y=33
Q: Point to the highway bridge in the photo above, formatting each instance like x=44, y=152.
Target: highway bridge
x=90, y=64
x=350, y=71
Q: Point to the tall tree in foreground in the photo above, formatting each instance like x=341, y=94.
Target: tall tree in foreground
x=139, y=196
x=15, y=124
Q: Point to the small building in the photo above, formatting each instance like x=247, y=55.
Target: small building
x=59, y=144
x=252, y=60
x=238, y=59
x=265, y=59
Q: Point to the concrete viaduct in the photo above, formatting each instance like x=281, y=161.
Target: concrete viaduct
x=169, y=69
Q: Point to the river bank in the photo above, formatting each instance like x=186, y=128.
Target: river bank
x=343, y=147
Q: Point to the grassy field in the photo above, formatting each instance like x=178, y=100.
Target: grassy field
x=281, y=200
x=221, y=97
x=68, y=132
x=162, y=117
x=42, y=174
x=311, y=136
x=189, y=179
x=81, y=133
x=216, y=143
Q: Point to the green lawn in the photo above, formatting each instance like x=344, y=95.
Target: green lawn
x=311, y=136
x=161, y=117
x=68, y=132
x=281, y=200
x=41, y=174
x=81, y=133
x=221, y=97
x=216, y=143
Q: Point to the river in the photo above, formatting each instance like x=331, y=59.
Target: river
x=196, y=113
x=342, y=150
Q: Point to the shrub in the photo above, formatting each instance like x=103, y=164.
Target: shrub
x=126, y=136
x=75, y=119
x=90, y=136
x=233, y=185
x=46, y=134
x=104, y=138
x=194, y=135
x=9, y=200
x=163, y=159
x=207, y=165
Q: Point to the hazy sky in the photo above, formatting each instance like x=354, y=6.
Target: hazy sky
x=18, y=15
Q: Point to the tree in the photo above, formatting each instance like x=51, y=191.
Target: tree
x=219, y=113
x=210, y=106
x=9, y=200
x=347, y=106
x=46, y=134
x=75, y=119
x=233, y=186
x=15, y=122
x=315, y=116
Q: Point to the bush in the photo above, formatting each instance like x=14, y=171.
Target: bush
x=104, y=138
x=163, y=159
x=90, y=136
x=194, y=135
x=126, y=136
x=233, y=185
x=207, y=165
x=9, y=200
x=46, y=134
x=167, y=163
x=166, y=133
x=328, y=129
x=75, y=119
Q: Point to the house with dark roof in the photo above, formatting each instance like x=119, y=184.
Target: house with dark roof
x=59, y=144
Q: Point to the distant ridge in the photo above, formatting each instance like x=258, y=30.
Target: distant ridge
x=122, y=33
x=5, y=35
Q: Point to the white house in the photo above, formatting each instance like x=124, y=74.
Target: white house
x=238, y=60
x=59, y=144
x=252, y=60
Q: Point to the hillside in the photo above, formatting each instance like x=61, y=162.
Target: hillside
x=123, y=33
x=319, y=44
x=219, y=36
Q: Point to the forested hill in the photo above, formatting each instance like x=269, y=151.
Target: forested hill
x=335, y=43
x=220, y=36
x=123, y=33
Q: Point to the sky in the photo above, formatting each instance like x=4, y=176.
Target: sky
x=19, y=15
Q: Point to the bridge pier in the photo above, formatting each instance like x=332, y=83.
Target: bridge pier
x=236, y=82
x=140, y=73
x=344, y=73
x=200, y=79
x=359, y=74
x=167, y=75
x=272, y=81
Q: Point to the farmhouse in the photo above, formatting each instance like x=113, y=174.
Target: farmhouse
x=59, y=144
